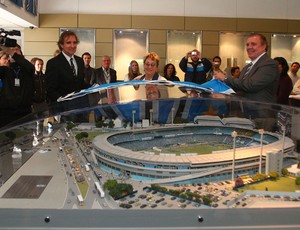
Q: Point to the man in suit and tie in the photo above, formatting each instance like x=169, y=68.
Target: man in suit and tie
x=259, y=79
x=104, y=74
x=65, y=72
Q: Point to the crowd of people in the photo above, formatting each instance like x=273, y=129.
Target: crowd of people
x=24, y=88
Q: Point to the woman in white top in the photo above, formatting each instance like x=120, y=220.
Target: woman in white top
x=151, y=61
x=296, y=88
x=133, y=71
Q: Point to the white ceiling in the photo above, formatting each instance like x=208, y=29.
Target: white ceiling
x=8, y=22
x=279, y=9
x=9, y=18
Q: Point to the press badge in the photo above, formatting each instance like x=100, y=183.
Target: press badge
x=17, y=82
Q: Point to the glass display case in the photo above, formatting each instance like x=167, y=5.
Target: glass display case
x=232, y=50
x=192, y=158
x=129, y=44
x=287, y=46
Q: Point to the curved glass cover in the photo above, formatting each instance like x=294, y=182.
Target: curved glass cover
x=195, y=157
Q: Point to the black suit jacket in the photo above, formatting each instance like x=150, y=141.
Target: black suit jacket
x=99, y=78
x=60, y=79
x=260, y=84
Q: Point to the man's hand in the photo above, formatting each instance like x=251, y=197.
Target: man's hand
x=219, y=75
x=9, y=50
x=193, y=53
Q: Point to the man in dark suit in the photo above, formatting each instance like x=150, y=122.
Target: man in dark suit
x=259, y=79
x=104, y=74
x=65, y=72
x=258, y=82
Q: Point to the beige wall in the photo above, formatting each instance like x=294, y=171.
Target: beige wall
x=42, y=41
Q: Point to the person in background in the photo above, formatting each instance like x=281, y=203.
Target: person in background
x=296, y=88
x=88, y=70
x=170, y=72
x=216, y=63
x=17, y=86
x=4, y=61
x=235, y=72
x=39, y=99
x=104, y=74
x=151, y=62
x=65, y=72
x=285, y=86
x=293, y=73
x=195, y=71
x=56, y=52
x=4, y=58
x=133, y=71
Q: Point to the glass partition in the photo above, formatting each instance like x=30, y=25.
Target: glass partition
x=287, y=46
x=233, y=51
x=177, y=152
x=129, y=44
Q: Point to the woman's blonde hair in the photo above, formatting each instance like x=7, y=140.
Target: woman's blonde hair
x=2, y=53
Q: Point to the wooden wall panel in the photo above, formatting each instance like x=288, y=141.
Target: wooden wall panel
x=262, y=25
x=104, y=21
x=210, y=24
x=58, y=20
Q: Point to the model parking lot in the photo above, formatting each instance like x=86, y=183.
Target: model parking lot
x=152, y=199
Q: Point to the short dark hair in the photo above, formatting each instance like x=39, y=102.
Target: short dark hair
x=86, y=53
x=218, y=58
x=295, y=62
x=233, y=69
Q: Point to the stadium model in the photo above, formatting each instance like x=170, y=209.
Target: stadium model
x=140, y=153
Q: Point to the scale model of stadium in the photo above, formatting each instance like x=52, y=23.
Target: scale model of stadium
x=140, y=152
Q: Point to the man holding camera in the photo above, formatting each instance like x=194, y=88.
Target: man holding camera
x=18, y=86
x=195, y=71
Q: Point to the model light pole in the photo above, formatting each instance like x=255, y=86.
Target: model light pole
x=172, y=115
x=283, y=137
x=133, y=112
x=261, y=132
x=234, y=135
x=151, y=116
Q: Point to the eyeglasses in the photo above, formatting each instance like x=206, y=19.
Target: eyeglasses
x=150, y=64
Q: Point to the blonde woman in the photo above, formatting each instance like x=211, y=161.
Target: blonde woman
x=151, y=62
x=133, y=71
x=4, y=58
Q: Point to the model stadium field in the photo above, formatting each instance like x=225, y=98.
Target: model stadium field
x=283, y=184
x=198, y=148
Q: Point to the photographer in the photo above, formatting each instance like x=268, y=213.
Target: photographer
x=195, y=71
x=17, y=86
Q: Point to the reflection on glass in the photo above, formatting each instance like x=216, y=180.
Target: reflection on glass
x=173, y=135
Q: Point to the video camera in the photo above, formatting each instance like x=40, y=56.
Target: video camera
x=6, y=41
